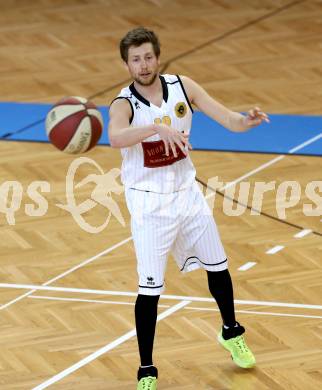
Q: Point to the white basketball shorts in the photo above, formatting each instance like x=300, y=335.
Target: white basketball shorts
x=181, y=223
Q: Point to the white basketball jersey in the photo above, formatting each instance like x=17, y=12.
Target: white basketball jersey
x=145, y=166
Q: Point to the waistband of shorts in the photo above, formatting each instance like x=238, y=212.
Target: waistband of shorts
x=161, y=193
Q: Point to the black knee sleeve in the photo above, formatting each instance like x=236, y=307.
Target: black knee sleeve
x=221, y=288
x=146, y=311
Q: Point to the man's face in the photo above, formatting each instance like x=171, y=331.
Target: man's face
x=143, y=64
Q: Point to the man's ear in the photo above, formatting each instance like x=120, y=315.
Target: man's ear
x=126, y=65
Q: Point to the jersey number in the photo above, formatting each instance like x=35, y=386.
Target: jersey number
x=166, y=120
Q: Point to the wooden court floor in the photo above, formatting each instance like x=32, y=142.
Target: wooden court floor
x=66, y=295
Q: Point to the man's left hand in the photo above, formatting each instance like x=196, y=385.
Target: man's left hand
x=255, y=117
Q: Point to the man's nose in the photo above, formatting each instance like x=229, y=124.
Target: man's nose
x=143, y=64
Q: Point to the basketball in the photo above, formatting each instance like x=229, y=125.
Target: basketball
x=74, y=125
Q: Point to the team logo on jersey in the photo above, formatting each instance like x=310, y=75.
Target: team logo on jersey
x=180, y=109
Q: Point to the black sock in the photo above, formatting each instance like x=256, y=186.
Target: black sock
x=232, y=331
x=221, y=288
x=147, y=371
x=146, y=311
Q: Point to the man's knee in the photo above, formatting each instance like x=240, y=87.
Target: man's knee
x=147, y=300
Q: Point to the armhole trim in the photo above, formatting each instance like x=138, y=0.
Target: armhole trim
x=126, y=98
x=184, y=92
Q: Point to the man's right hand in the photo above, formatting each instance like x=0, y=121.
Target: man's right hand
x=172, y=137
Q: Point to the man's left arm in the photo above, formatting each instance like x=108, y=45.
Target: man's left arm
x=232, y=120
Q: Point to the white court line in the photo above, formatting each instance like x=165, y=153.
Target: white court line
x=305, y=143
x=247, y=266
x=302, y=233
x=267, y=313
x=269, y=163
x=90, y=260
x=82, y=264
x=67, y=289
x=105, y=349
x=170, y=297
x=87, y=300
x=260, y=168
x=165, y=306
x=311, y=140
x=275, y=249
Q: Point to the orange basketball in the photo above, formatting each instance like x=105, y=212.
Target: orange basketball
x=74, y=125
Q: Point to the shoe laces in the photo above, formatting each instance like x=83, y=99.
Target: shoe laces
x=148, y=382
x=241, y=344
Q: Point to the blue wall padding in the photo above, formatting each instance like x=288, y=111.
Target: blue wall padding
x=283, y=133
x=25, y=122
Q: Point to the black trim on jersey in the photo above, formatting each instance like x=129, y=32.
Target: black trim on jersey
x=184, y=92
x=150, y=286
x=197, y=258
x=173, y=82
x=136, y=189
x=164, y=89
x=137, y=94
x=123, y=97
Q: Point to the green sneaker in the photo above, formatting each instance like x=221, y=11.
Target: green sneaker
x=239, y=350
x=147, y=383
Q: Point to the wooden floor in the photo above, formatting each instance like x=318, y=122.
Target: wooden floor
x=244, y=53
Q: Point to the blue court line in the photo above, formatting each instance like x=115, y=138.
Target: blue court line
x=25, y=122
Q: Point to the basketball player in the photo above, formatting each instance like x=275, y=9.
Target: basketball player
x=150, y=121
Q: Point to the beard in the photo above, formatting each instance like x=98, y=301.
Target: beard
x=146, y=82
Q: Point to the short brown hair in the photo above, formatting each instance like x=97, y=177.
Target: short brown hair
x=137, y=37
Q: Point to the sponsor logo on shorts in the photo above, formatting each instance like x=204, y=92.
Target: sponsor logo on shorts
x=150, y=281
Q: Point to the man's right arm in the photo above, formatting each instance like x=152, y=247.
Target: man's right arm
x=121, y=134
